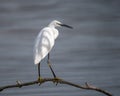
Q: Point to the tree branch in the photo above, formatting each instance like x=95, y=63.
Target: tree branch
x=57, y=80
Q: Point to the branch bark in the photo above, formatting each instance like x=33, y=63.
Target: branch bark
x=57, y=80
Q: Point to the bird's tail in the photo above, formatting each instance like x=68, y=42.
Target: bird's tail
x=37, y=60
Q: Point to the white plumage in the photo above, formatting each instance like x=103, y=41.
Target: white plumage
x=45, y=41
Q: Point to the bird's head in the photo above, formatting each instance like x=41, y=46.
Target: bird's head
x=56, y=23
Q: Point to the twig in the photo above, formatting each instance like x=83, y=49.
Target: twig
x=61, y=81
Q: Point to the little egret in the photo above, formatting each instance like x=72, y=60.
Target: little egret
x=45, y=42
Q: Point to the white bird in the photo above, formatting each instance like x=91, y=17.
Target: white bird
x=45, y=42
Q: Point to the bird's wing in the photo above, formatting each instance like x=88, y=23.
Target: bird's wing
x=43, y=44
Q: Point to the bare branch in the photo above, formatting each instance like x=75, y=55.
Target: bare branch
x=57, y=80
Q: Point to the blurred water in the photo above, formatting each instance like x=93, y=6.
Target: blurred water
x=89, y=53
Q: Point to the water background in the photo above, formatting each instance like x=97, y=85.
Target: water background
x=88, y=53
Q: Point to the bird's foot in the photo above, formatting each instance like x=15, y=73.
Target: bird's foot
x=40, y=80
x=56, y=80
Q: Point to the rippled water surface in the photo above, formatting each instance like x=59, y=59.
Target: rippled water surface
x=88, y=53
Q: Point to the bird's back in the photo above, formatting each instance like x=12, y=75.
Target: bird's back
x=43, y=44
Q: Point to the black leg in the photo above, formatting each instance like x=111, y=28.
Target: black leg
x=39, y=70
x=39, y=76
x=50, y=66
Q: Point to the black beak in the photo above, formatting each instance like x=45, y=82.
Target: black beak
x=64, y=25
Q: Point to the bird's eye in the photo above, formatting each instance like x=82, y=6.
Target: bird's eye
x=57, y=23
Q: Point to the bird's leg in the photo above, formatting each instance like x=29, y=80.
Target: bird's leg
x=49, y=64
x=39, y=76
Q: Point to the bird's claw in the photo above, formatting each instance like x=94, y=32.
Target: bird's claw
x=40, y=80
x=56, y=80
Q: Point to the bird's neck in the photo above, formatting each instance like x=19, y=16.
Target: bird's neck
x=55, y=31
x=51, y=25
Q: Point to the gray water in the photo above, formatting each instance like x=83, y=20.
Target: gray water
x=88, y=53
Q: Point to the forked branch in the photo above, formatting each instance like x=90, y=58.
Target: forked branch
x=60, y=81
